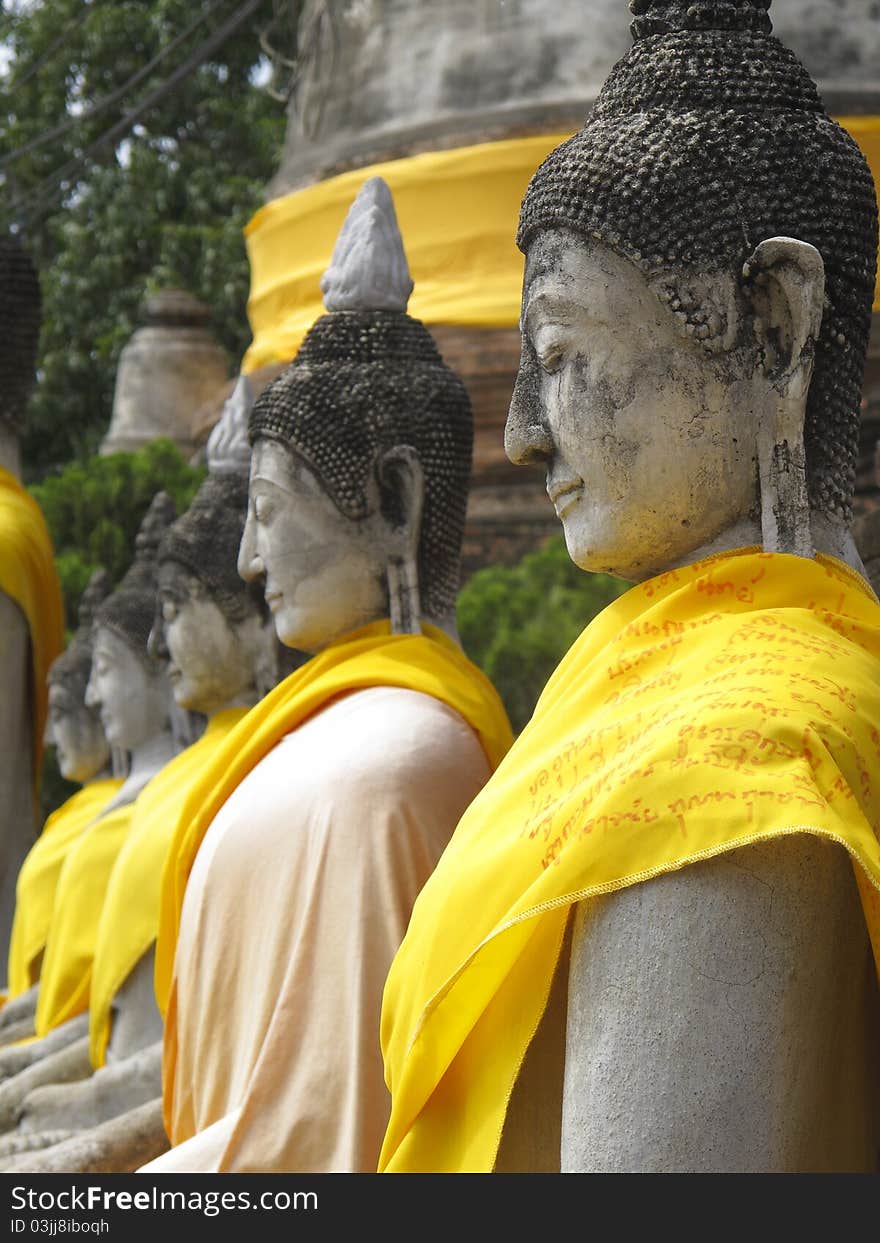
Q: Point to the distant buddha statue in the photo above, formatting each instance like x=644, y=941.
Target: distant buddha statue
x=83, y=756
x=130, y=692
x=31, y=608
x=213, y=634
x=697, y=787
x=325, y=810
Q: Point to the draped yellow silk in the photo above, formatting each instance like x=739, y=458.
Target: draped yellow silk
x=431, y=663
x=720, y=704
x=29, y=577
x=129, y=920
x=38, y=878
x=458, y=212
x=65, y=979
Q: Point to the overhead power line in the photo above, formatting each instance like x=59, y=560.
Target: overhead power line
x=19, y=80
x=100, y=105
x=43, y=196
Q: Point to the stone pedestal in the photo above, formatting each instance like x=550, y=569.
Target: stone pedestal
x=171, y=366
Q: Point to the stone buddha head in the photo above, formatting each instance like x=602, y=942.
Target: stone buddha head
x=361, y=455
x=73, y=727
x=19, y=332
x=211, y=626
x=697, y=294
x=127, y=685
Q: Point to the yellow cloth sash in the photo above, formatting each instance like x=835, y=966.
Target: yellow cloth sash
x=38, y=877
x=371, y=656
x=458, y=212
x=66, y=976
x=129, y=921
x=28, y=575
x=730, y=701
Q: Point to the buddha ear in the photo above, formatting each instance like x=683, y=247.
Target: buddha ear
x=785, y=279
x=156, y=647
x=785, y=282
x=402, y=489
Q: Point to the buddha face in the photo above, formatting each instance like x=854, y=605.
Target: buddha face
x=324, y=573
x=75, y=732
x=649, y=443
x=210, y=662
x=132, y=701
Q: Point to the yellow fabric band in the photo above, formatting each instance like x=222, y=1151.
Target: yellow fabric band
x=129, y=919
x=458, y=212
x=29, y=577
x=431, y=663
x=65, y=979
x=717, y=705
x=38, y=878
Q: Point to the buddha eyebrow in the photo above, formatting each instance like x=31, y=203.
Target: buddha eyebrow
x=262, y=481
x=554, y=305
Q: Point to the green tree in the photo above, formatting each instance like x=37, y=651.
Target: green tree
x=517, y=623
x=163, y=203
x=93, y=510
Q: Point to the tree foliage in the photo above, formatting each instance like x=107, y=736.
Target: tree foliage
x=164, y=206
x=93, y=510
x=517, y=623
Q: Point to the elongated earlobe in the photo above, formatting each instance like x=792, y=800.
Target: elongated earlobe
x=784, y=280
x=402, y=485
x=785, y=283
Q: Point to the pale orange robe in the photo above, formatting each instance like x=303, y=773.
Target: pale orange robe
x=299, y=897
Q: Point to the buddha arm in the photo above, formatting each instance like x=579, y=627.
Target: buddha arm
x=16, y=1058
x=119, y=1146
x=113, y=1090
x=723, y=1018
x=24, y=1006
x=63, y=1066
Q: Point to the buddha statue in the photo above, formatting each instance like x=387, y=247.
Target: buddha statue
x=672, y=887
x=213, y=634
x=329, y=804
x=129, y=690
x=31, y=609
x=83, y=756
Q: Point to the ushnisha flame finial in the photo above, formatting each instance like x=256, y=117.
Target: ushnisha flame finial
x=368, y=271
x=228, y=450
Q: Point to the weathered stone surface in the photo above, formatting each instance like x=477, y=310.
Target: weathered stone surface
x=171, y=366
x=119, y=1146
x=64, y=1066
x=385, y=80
x=696, y=986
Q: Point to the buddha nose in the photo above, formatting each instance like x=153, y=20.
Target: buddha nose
x=91, y=698
x=250, y=566
x=526, y=438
